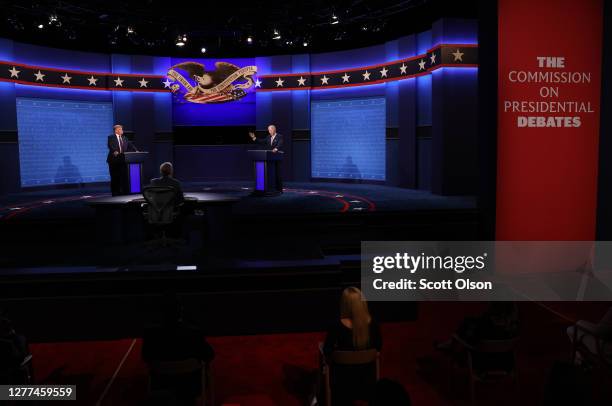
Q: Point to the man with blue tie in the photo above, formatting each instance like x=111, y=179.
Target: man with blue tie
x=118, y=144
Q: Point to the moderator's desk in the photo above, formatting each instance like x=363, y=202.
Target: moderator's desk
x=119, y=219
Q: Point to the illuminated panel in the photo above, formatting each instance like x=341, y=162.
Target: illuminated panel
x=62, y=142
x=348, y=139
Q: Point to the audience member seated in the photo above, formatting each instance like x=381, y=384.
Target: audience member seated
x=167, y=171
x=499, y=322
x=591, y=338
x=389, y=393
x=354, y=330
x=176, y=340
x=13, y=352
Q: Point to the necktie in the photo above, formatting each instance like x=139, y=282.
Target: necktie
x=120, y=144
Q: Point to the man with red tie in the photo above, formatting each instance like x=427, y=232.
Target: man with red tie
x=117, y=145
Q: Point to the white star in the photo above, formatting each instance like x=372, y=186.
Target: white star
x=345, y=78
x=66, y=78
x=403, y=69
x=257, y=83
x=279, y=82
x=421, y=64
x=366, y=75
x=324, y=80
x=433, y=58
x=143, y=82
x=92, y=81
x=301, y=81
x=458, y=55
x=14, y=72
x=167, y=83
x=383, y=72
x=119, y=82
x=39, y=76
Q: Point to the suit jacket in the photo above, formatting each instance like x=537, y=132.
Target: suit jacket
x=266, y=142
x=170, y=181
x=113, y=145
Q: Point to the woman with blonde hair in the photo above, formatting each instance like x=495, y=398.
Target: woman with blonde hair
x=354, y=330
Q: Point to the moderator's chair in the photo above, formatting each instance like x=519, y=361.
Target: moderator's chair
x=487, y=361
x=174, y=374
x=161, y=211
x=17, y=373
x=348, y=359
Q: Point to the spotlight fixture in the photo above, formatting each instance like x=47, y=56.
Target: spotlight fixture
x=41, y=26
x=180, y=42
x=305, y=44
x=203, y=50
x=276, y=35
x=335, y=19
x=130, y=30
x=249, y=40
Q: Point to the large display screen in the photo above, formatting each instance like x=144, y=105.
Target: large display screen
x=211, y=92
x=348, y=139
x=63, y=141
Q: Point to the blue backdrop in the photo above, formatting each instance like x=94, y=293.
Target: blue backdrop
x=348, y=139
x=63, y=141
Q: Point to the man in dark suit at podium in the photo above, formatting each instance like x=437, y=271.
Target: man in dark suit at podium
x=272, y=142
x=118, y=144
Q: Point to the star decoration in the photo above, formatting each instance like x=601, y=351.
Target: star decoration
x=433, y=58
x=403, y=69
x=458, y=55
x=92, y=81
x=39, y=76
x=324, y=80
x=383, y=72
x=14, y=72
x=279, y=82
x=167, y=83
x=366, y=75
x=119, y=82
x=66, y=78
x=301, y=81
x=345, y=78
x=421, y=64
x=257, y=83
x=143, y=82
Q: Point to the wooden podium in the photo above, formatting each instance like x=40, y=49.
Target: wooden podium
x=266, y=166
x=134, y=161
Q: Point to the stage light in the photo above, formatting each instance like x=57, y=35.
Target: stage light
x=53, y=19
x=335, y=19
x=276, y=35
x=181, y=40
x=305, y=44
x=130, y=30
x=203, y=50
x=41, y=26
x=249, y=40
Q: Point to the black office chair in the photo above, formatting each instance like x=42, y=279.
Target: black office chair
x=161, y=211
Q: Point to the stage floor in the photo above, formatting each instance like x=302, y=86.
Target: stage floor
x=308, y=222
x=299, y=198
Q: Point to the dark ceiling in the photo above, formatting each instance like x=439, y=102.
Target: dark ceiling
x=222, y=27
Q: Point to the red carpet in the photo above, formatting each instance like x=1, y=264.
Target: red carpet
x=279, y=369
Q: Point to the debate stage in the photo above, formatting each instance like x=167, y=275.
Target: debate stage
x=297, y=249
x=57, y=227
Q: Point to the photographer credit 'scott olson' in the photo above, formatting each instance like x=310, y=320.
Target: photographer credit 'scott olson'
x=412, y=264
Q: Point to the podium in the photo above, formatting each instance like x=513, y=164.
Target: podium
x=266, y=166
x=134, y=161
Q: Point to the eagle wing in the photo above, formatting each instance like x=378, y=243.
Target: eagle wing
x=194, y=68
x=224, y=69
